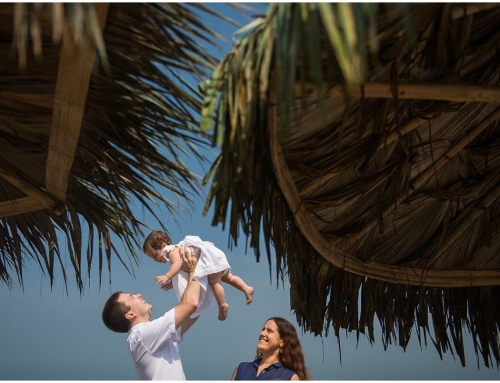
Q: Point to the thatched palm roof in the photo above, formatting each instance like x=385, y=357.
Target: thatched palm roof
x=364, y=141
x=81, y=138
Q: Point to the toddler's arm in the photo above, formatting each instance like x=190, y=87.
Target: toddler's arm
x=175, y=260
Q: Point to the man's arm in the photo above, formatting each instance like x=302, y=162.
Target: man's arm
x=190, y=298
x=187, y=324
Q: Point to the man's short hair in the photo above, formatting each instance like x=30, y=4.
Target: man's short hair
x=113, y=314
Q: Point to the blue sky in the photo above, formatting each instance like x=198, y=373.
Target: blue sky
x=47, y=335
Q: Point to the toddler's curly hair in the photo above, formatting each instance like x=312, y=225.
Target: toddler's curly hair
x=155, y=239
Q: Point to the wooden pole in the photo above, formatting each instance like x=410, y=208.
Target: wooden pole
x=44, y=198
x=437, y=92
x=453, y=93
x=16, y=100
x=461, y=10
x=73, y=79
x=20, y=206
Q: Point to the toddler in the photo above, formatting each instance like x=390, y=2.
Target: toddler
x=212, y=267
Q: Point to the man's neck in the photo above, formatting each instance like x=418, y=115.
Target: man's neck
x=139, y=321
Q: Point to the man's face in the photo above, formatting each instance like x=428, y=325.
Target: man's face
x=155, y=254
x=138, y=306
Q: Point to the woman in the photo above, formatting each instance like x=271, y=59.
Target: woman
x=279, y=355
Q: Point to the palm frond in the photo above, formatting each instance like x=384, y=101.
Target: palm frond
x=139, y=125
x=357, y=188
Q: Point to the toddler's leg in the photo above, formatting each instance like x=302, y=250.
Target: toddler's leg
x=238, y=283
x=214, y=280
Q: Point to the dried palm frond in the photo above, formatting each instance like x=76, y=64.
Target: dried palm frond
x=139, y=124
x=80, y=18
x=394, y=181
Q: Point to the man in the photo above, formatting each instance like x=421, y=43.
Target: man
x=153, y=343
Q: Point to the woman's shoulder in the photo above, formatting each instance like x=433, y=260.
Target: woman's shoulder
x=285, y=373
x=289, y=374
x=243, y=364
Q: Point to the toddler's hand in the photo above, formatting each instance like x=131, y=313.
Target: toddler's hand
x=166, y=286
x=161, y=279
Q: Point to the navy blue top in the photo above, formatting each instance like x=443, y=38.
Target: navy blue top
x=276, y=371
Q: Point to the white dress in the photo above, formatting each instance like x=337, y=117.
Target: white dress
x=212, y=260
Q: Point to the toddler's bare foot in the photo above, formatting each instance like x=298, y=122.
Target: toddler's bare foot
x=249, y=295
x=223, y=311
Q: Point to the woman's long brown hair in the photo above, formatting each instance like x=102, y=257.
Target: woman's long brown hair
x=291, y=355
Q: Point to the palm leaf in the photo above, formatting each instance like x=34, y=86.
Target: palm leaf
x=359, y=179
x=139, y=125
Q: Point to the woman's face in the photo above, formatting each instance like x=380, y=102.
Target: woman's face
x=269, y=339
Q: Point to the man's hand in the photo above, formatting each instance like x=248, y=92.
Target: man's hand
x=189, y=260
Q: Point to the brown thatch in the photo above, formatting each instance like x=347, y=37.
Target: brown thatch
x=363, y=139
x=82, y=137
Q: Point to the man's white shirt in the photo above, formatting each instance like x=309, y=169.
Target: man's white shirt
x=154, y=349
